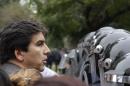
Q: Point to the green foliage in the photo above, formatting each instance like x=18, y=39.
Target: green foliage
x=62, y=18
x=5, y=2
x=75, y=18
x=13, y=12
x=69, y=19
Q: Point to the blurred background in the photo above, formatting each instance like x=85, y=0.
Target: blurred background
x=67, y=20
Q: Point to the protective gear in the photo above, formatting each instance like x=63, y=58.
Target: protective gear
x=108, y=39
x=104, y=29
x=84, y=52
x=84, y=45
x=87, y=69
x=105, y=43
x=90, y=66
x=103, y=40
x=72, y=60
x=99, y=35
x=88, y=41
x=114, y=67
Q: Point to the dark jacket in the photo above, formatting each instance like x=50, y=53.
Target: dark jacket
x=10, y=68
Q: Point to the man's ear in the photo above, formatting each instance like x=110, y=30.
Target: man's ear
x=19, y=54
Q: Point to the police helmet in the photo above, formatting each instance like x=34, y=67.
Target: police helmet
x=114, y=68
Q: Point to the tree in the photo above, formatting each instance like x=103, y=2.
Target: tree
x=5, y=2
x=74, y=18
x=13, y=11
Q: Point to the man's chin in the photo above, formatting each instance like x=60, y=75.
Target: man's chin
x=42, y=69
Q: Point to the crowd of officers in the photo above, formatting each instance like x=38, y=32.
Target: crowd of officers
x=102, y=58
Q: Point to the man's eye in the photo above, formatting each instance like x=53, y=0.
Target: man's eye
x=40, y=44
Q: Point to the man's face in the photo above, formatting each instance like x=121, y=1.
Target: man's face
x=36, y=55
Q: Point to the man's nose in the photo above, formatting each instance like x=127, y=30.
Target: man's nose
x=46, y=50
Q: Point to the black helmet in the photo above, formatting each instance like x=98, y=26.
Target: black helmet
x=114, y=68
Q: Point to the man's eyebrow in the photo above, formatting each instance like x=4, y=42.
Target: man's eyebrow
x=41, y=41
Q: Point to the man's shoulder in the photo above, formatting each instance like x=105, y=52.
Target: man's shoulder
x=10, y=68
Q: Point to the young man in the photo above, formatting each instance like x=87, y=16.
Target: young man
x=22, y=45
